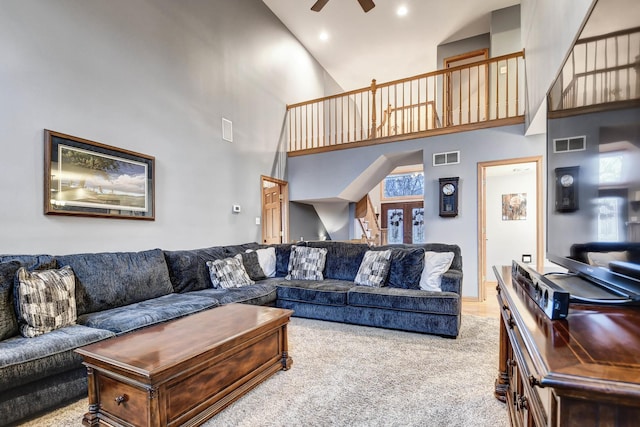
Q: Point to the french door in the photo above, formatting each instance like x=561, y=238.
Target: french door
x=404, y=222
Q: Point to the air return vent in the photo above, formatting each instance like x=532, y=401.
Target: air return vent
x=574, y=143
x=449, y=158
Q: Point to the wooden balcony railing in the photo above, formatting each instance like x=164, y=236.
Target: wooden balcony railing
x=431, y=103
x=599, y=70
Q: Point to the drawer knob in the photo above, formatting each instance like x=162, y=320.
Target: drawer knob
x=522, y=403
x=121, y=399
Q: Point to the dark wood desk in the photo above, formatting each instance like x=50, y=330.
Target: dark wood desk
x=580, y=371
x=184, y=371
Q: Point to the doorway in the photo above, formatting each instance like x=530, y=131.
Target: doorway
x=510, y=215
x=466, y=90
x=275, y=208
x=404, y=222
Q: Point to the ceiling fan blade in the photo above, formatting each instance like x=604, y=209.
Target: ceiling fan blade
x=367, y=5
x=317, y=6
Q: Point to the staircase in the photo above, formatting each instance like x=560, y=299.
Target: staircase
x=371, y=232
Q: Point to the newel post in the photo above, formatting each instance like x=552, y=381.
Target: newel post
x=373, y=109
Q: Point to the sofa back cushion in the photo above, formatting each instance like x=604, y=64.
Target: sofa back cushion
x=32, y=262
x=188, y=268
x=108, y=280
x=8, y=321
x=343, y=259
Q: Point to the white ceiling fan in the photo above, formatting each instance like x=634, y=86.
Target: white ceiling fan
x=366, y=5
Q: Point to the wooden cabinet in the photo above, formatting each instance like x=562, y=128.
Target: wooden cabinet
x=580, y=371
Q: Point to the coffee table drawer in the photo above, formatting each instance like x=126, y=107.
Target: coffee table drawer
x=122, y=400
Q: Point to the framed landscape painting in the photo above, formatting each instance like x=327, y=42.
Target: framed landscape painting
x=88, y=178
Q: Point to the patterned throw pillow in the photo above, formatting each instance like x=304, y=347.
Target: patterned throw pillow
x=306, y=263
x=374, y=268
x=45, y=300
x=228, y=273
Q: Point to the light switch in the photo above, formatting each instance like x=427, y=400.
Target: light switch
x=257, y=220
x=236, y=209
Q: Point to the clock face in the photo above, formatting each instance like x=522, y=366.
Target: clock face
x=566, y=180
x=448, y=189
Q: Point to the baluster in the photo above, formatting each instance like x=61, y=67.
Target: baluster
x=373, y=108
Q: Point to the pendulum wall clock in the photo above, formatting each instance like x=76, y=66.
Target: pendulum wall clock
x=448, y=197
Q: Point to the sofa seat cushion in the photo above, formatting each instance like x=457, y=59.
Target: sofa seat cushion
x=260, y=293
x=405, y=300
x=23, y=360
x=108, y=280
x=325, y=292
x=146, y=313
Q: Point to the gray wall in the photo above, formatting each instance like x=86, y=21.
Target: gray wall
x=154, y=77
x=447, y=50
x=304, y=223
x=305, y=172
x=505, y=31
x=548, y=30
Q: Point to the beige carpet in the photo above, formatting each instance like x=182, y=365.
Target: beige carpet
x=345, y=375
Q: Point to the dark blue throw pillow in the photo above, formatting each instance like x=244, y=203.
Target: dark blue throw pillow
x=283, y=253
x=406, y=267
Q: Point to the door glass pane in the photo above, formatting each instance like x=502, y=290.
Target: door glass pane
x=417, y=221
x=395, y=227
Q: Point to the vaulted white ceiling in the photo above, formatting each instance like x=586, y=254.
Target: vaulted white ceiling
x=380, y=44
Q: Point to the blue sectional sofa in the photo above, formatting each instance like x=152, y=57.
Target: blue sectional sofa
x=116, y=293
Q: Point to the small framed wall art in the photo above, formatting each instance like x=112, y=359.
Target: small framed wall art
x=91, y=179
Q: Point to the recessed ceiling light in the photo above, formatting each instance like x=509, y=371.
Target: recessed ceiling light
x=402, y=11
x=324, y=36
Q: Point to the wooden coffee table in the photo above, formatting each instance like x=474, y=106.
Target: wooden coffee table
x=184, y=371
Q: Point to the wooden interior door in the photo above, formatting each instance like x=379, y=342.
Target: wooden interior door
x=274, y=210
x=271, y=214
x=404, y=221
x=466, y=91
